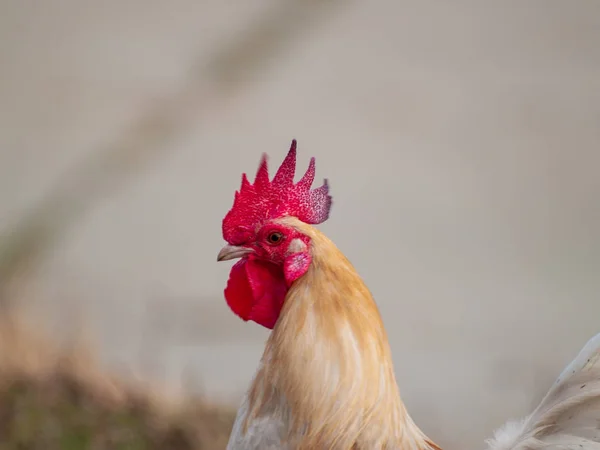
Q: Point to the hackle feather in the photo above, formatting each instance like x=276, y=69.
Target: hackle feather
x=327, y=368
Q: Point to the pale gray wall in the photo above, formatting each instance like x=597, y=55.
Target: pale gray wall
x=460, y=140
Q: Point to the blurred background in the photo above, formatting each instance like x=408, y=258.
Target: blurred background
x=460, y=140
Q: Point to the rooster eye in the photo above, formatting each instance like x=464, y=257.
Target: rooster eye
x=275, y=237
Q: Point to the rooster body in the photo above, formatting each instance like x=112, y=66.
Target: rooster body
x=326, y=378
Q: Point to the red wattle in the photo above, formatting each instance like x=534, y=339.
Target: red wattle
x=256, y=291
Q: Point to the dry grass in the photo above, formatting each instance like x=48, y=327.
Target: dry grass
x=52, y=398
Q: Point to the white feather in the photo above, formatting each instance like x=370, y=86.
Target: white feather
x=569, y=415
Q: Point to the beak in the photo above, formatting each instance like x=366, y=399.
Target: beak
x=231, y=252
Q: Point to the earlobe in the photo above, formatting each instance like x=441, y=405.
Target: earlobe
x=295, y=266
x=297, y=245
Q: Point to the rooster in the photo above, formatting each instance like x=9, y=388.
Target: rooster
x=326, y=378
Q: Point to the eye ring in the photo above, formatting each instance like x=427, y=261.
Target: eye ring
x=275, y=238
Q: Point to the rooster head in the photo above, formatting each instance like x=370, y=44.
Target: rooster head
x=273, y=255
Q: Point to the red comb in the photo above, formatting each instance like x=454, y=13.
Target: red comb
x=264, y=200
